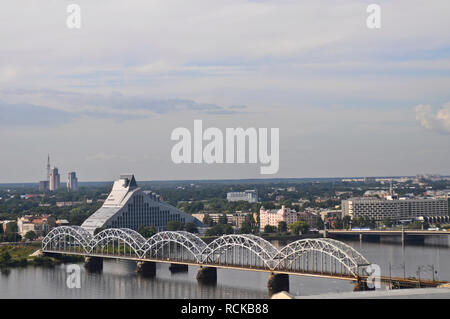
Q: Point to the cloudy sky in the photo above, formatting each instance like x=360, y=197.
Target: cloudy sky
x=104, y=99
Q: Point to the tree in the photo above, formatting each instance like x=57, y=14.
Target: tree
x=387, y=222
x=174, y=225
x=223, y=219
x=298, y=227
x=219, y=229
x=147, y=232
x=282, y=227
x=414, y=225
x=191, y=227
x=319, y=223
x=346, y=221
x=98, y=229
x=249, y=225
x=11, y=227
x=268, y=205
x=5, y=257
x=246, y=228
x=339, y=224
x=31, y=235
x=227, y=229
x=210, y=232
x=208, y=221
x=270, y=229
x=13, y=237
x=363, y=222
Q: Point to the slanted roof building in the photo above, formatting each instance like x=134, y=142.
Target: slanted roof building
x=128, y=206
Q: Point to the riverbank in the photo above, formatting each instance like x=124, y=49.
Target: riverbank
x=18, y=255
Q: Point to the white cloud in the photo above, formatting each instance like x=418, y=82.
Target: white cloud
x=437, y=121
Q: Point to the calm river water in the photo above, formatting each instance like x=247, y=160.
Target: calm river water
x=119, y=279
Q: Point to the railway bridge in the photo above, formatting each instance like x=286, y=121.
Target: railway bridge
x=321, y=257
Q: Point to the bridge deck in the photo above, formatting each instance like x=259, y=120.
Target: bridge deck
x=220, y=266
x=389, y=232
x=412, y=282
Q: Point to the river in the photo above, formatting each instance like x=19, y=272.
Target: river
x=119, y=279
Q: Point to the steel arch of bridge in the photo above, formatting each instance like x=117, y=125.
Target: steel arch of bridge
x=76, y=239
x=257, y=245
x=344, y=254
x=128, y=236
x=194, y=244
x=80, y=236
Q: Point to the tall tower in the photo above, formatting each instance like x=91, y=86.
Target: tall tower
x=54, y=182
x=48, y=168
x=72, y=182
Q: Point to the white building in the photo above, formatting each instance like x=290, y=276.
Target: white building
x=378, y=209
x=41, y=225
x=128, y=206
x=250, y=196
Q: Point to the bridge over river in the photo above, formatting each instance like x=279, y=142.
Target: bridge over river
x=321, y=257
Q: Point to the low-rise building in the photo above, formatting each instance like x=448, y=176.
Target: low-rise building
x=331, y=213
x=250, y=196
x=236, y=219
x=43, y=186
x=64, y=204
x=273, y=217
x=310, y=217
x=5, y=223
x=62, y=222
x=378, y=209
x=41, y=225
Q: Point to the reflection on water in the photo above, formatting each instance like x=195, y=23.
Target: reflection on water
x=119, y=279
x=406, y=259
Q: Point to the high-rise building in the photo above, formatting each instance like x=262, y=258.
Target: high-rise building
x=54, y=181
x=128, y=206
x=48, y=168
x=72, y=182
x=43, y=186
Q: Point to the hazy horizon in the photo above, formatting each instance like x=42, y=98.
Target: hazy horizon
x=260, y=179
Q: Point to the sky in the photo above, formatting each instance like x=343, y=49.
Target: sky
x=103, y=100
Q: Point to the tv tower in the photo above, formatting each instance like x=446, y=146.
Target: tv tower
x=48, y=168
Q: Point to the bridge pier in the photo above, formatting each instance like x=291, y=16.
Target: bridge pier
x=146, y=268
x=94, y=264
x=207, y=275
x=361, y=285
x=278, y=283
x=174, y=268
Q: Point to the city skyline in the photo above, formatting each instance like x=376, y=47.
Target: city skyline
x=74, y=184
